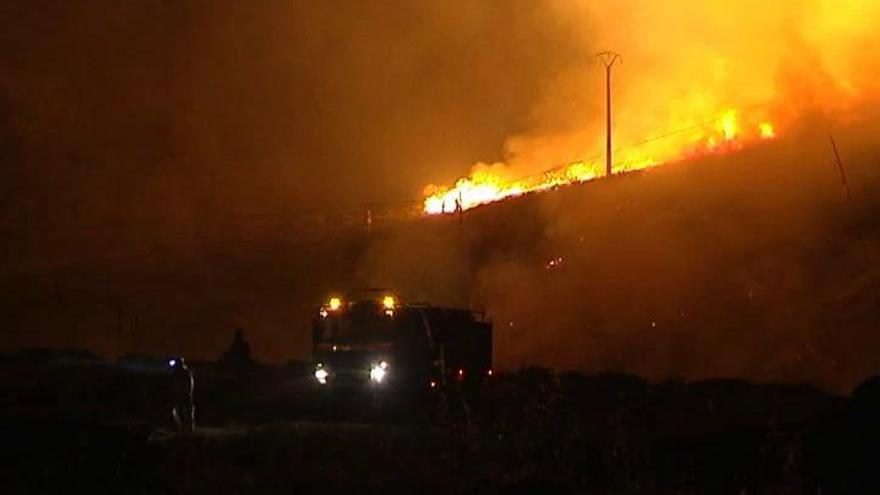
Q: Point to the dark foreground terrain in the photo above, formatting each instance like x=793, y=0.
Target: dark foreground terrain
x=102, y=429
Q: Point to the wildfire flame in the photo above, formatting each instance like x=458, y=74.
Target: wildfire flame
x=697, y=81
x=487, y=183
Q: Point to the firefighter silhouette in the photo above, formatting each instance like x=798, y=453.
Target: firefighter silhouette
x=182, y=384
x=239, y=353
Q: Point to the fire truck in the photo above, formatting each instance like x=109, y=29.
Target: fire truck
x=372, y=339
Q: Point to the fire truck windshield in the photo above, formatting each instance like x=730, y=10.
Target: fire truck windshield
x=362, y=322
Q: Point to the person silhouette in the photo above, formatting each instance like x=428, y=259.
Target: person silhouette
x=182, y=385
x=239, y=352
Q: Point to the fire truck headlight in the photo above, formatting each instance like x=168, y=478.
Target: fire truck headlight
x=321, y=375
x=378, y=372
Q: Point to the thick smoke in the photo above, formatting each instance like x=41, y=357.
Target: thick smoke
x=750, y=264
x=688, y=62
x=171, y=170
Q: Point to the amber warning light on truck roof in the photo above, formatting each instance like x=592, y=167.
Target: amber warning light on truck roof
x=389, y=302
x=334, y=304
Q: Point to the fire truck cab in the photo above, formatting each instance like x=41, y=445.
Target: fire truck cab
x=370, y=338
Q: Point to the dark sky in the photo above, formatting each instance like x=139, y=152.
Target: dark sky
x=152, y=117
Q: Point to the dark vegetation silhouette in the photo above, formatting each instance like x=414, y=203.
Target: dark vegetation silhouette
x=93, y=426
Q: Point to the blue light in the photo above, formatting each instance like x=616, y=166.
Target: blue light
x=172, y=362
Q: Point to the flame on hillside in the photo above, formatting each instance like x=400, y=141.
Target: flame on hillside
x=489, y=183
x=695, y=78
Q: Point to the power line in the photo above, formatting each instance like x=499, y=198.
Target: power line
x=675, y=132
x=399, y=204
x=684, y=130
x=360, y=207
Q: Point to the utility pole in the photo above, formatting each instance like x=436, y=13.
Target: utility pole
x=866, y=253
x=459, y=203
x=840, y=168
x=608, y=59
